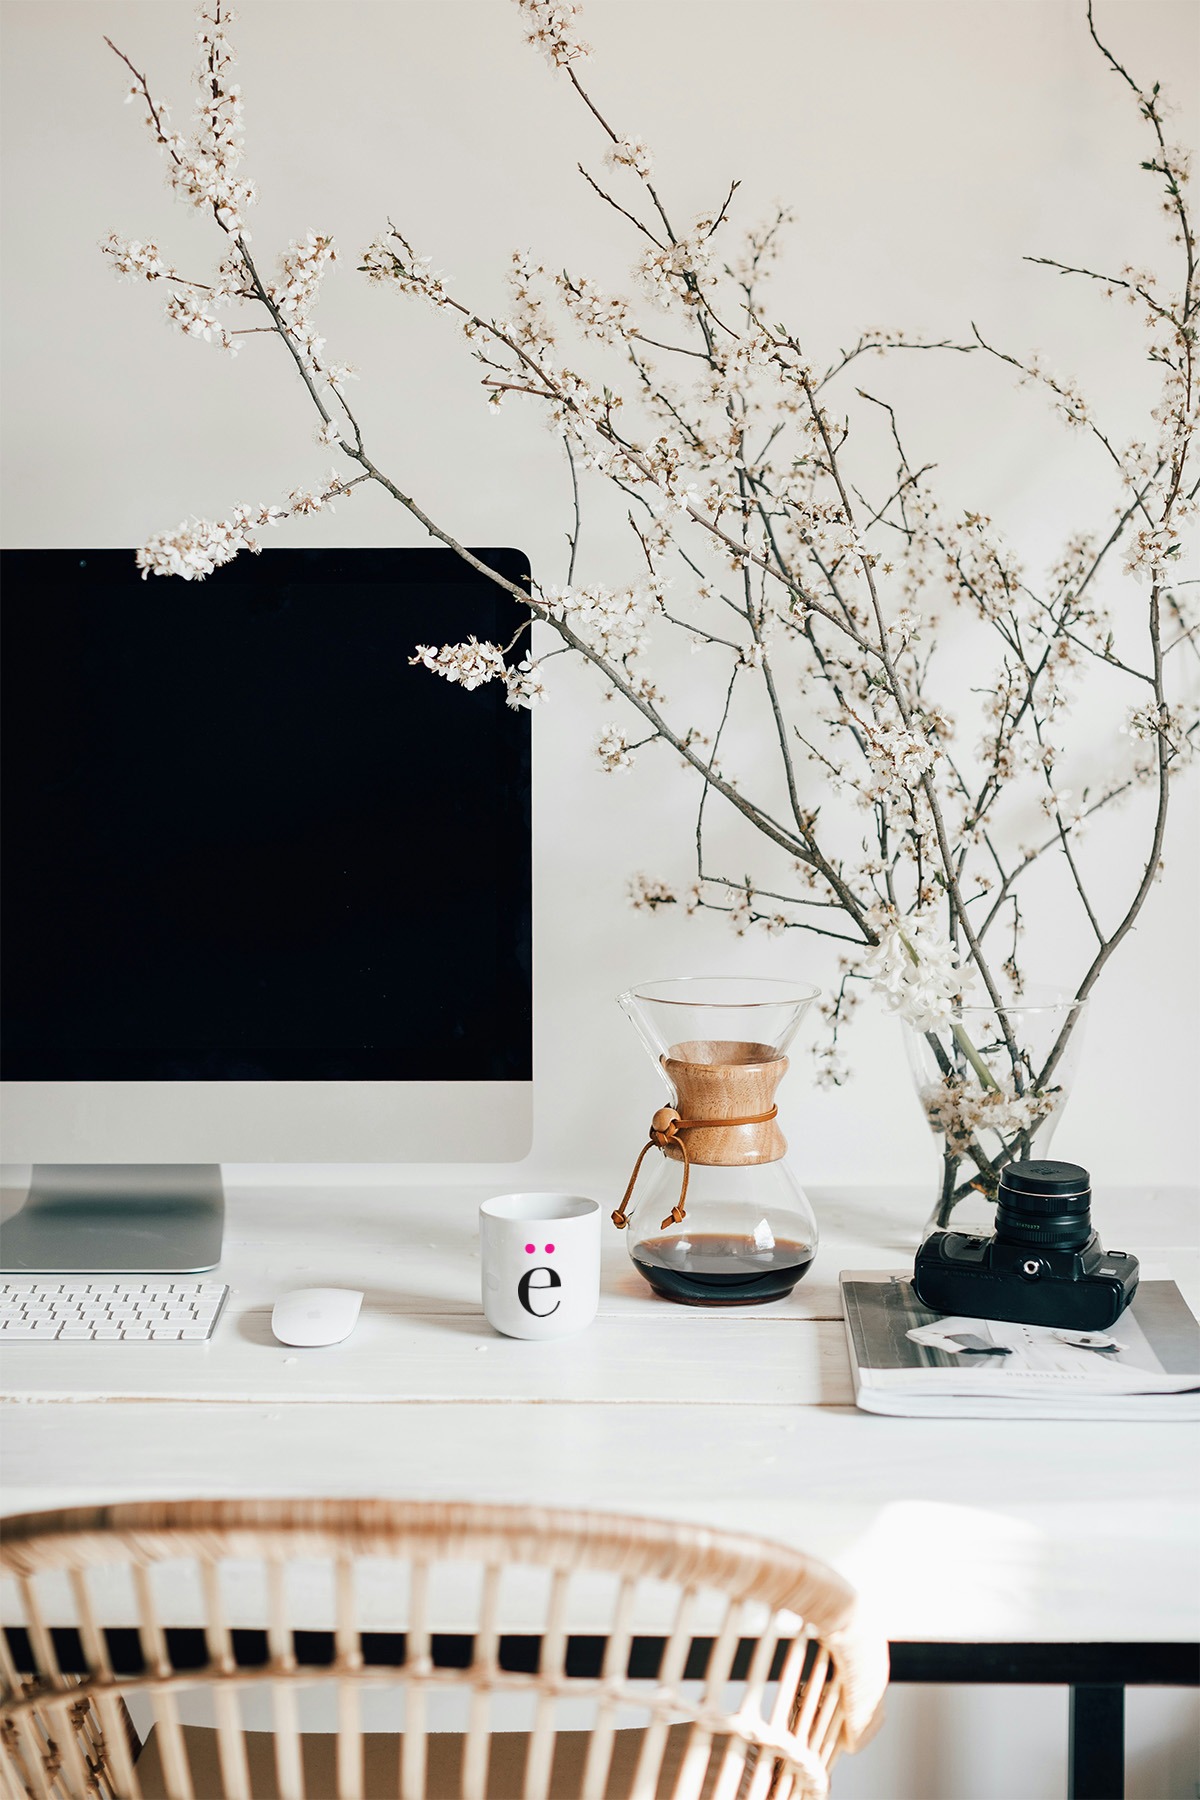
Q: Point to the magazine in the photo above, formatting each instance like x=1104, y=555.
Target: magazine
x=910, y=1361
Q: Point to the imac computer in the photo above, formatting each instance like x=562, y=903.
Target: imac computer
x=266, y=888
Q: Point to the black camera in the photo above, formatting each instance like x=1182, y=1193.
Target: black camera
x=1044, y=1266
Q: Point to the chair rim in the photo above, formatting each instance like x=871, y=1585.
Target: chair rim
x=633, y=1546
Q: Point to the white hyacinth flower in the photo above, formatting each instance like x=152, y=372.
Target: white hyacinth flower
x=919, y=974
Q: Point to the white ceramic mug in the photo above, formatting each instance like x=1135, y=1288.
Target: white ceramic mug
x=541, y=1263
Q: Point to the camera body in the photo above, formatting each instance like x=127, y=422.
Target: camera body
x=1044, y=1266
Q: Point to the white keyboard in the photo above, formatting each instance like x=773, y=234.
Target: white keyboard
x=112, y=1309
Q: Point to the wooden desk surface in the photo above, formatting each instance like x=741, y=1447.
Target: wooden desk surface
x=958, y=1530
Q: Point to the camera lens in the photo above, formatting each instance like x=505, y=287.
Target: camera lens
x=1045, y=1203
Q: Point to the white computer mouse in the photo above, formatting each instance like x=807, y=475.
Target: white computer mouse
x=313, y=1316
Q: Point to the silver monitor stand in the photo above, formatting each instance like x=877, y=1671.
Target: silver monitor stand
x=116, y=1218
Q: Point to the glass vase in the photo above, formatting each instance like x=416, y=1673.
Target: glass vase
x=719, y=1218
x=993, y=1083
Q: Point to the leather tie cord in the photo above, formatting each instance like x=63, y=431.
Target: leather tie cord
x=665, y=1128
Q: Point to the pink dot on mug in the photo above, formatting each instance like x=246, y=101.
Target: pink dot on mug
x=549, y=1249
x=529, y=1249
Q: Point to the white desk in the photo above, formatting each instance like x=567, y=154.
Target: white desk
x=959, y=1531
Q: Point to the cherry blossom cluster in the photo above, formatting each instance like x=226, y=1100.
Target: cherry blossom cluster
x=204, y=169
x=474, y=663
x=632, y=153
x=524, y=684
x=135, y=260
x=301, y=267
x=190, y=305
x=963, y=1112
x=647, y=894
x=899, y=755
x=613, y=621
x=599, y=315
x=187, y=311
x=613, y=749
x=469, y=665
x=550, y=27
x=198, y=546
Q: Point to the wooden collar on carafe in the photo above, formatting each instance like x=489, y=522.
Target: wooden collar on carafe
x=666, y=1129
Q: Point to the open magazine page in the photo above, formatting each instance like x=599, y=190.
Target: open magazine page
x=897, y=1356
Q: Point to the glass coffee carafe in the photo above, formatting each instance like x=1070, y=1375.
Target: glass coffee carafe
x=722, y=1221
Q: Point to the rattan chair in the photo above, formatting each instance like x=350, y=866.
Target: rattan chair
x=789, y=1680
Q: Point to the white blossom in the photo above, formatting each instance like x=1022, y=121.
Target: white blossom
x=524, y=683
x=1055, y=800
x=904, y=626
x=199, y=546
x=741, y=913
x=632, y=153
x=600, y=315
x=300, y=270
x=832, y=1071
x=469, y=665
x=389, y=258
x=900, y=755
x=613, y=621
x=961, y=1112
x=612, y=748
x=679, y=270
x=1152, y=549
x=195, y=549
x=188, y=313
x=135, y=260
x=550, y=28
x=647, y=895
x=918, y=972
x=1147, y=722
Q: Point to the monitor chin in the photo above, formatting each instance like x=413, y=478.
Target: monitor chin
x=267, y=1121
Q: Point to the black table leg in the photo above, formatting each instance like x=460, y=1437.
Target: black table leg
x=1097, y=1761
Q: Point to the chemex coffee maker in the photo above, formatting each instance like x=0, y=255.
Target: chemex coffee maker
x=722, y=1221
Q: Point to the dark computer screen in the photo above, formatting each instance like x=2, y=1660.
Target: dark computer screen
x=243, y=839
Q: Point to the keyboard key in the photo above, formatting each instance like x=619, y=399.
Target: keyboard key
x=107, y=1331
x=76, y=1333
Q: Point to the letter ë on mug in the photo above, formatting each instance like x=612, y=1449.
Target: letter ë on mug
x=541, y=1263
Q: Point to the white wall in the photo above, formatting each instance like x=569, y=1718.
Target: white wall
x=927, y=145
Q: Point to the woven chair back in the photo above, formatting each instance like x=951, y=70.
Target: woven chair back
x=516, y=1616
